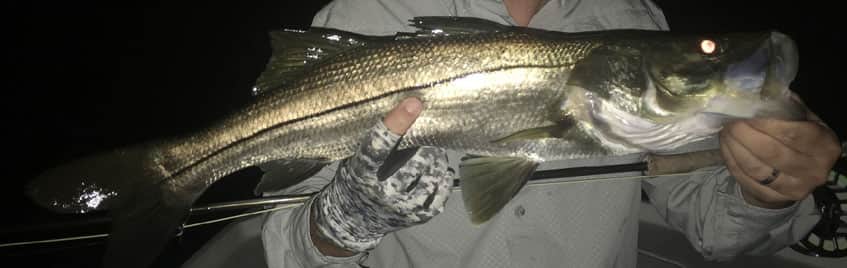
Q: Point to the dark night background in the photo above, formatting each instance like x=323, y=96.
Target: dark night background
x=84, y=76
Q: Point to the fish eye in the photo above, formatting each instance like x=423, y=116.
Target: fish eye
x=708, y=46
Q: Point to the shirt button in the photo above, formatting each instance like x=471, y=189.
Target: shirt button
x=520, y=211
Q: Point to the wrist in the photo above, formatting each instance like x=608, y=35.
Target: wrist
x=339, y=218
x=325, y=246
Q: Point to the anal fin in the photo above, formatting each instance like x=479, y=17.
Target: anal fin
x=488, y=183
x=560, y=127
x=280, y=174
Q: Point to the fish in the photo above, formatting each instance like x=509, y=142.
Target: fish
x=508, y=97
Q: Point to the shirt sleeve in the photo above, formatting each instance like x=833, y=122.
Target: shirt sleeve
x=286, y=236
x=708, y=207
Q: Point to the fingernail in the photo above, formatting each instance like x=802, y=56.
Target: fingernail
x=413, y=106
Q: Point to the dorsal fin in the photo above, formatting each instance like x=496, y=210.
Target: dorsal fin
x=434, y=26
x=294, y=50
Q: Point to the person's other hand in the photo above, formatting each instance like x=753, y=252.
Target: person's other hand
x=778, y=162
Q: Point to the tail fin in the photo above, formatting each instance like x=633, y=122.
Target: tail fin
x=146, y=210
x=96, y=182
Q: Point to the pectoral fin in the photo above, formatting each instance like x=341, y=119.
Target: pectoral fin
x=488, y=183
x=554, y=131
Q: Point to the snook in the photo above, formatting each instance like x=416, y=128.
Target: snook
x=511, y=96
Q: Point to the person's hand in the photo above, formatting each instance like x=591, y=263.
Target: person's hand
x=778, y=162
x=379, y=190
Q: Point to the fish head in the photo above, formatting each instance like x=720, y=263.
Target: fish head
x=730, y=76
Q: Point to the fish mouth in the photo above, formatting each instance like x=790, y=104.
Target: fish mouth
x=758, y=85
x=782, y=65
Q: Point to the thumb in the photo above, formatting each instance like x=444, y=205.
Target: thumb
x=381, y=140
x=399, y=119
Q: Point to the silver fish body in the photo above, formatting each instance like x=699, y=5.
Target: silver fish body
x=517, y=94
x=476, y=89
